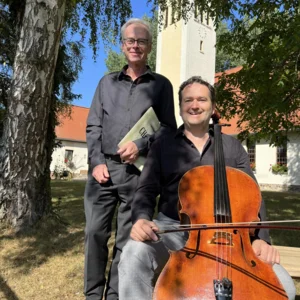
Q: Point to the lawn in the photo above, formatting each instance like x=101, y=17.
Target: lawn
x=47, y=263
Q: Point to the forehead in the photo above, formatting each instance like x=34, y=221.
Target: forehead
x=136, y=30
x=196, y=90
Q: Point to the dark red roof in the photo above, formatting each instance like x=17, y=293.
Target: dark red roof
x=73, y=128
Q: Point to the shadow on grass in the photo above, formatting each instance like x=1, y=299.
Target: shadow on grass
x=7, y=291
x=283, y=206
x=51, y=236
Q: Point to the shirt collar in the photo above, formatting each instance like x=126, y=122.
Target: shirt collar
x=180, y=131
x=122, y=73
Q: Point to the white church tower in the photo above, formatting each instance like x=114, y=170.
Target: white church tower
x=186, y=49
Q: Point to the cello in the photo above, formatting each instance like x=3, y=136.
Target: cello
x=218, y=263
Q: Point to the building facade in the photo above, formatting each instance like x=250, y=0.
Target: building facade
x=70, y=156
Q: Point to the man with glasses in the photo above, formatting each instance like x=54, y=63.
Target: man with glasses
x=120, y=100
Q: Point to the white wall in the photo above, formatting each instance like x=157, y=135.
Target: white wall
x=293, y=159
x=266, y=157
x=79, y=157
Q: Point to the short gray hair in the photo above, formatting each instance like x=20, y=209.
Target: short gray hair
x=137, y=21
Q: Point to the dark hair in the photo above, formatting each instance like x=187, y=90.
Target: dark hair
x=197, y=79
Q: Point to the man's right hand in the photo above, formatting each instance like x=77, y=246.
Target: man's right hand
x=144, y=230
x=100, y=173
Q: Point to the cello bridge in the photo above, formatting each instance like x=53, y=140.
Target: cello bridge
x=222, y=238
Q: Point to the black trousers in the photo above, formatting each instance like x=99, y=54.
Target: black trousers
x=100, y=202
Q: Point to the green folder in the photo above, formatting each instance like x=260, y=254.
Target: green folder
x=147, y=124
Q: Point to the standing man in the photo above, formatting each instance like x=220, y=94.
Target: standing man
x=120, y=100
x=169, y=159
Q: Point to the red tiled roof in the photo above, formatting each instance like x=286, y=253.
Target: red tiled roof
x=73, y=128
x=233, y=129
x=230, y=71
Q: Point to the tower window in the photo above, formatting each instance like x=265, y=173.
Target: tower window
x=166, y=17
x=172, y=15
x=201, y=46
x=207, y=19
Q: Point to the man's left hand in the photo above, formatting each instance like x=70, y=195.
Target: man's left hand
x=265, y=252
x=129, y=152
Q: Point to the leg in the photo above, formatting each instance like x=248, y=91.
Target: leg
x=99, y=203
x=127, y=179
x=286, y=281
x=142, y=262
x=140, y=265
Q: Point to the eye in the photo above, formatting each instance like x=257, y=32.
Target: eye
x=142, y=42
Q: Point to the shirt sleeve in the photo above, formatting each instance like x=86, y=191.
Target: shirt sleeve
x=166, y=115
x=94, y=130
x=244, y=164
x=144, y=201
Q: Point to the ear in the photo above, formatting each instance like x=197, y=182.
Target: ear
x=213, y=109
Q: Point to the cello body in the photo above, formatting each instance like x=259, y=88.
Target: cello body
x=212, y=258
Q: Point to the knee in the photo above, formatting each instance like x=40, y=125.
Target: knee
x=135, y=256
x=94, y=232
x=286, y=281
x=133, y=251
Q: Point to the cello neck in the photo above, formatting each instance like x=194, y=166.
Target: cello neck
x=222, y=211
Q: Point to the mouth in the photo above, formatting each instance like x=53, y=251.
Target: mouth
x=195, y=113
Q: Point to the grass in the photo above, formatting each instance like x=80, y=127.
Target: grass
x=47, y=262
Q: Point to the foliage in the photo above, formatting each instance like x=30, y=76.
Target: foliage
x=224, y=61
x=269, y=88
x=115, y=61
x=81, y=17
x=265, y=34
x=279, y=169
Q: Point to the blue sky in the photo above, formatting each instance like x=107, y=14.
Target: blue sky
x=93, y=71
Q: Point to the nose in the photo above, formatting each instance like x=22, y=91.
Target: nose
x=195, y=104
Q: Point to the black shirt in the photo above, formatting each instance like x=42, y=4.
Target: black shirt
x=168, y=160
x=119, y=103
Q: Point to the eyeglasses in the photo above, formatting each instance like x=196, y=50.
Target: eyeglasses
x=140, y=42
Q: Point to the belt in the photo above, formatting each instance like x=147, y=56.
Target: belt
x=115, y=157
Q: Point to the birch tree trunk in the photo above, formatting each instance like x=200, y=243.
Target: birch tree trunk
x=24, y=150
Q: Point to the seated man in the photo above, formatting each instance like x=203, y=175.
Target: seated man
x=170, y=157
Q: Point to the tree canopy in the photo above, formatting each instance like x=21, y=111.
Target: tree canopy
x=225, y=61
x=269, y=87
